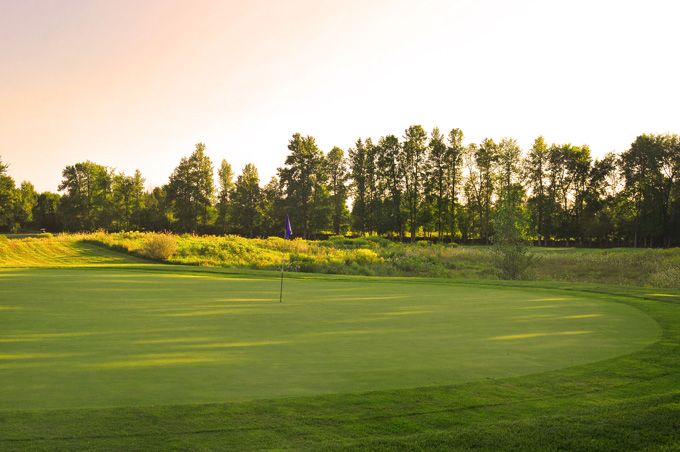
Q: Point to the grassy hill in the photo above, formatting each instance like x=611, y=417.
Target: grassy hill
x=33, y=252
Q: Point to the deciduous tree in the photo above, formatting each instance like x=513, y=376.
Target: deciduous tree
x=303, y=180
x=86, y=205
x=191, y=190
x=413, y=161
x=225, y=176
x=127, y=200
x=454, y=161
x=244, y=208
x=336, y=169
x=7, y=197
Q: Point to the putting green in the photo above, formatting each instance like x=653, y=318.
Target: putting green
x=116, y=337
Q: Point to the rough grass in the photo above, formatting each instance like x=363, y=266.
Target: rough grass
x=374, y=256
x=368, y=256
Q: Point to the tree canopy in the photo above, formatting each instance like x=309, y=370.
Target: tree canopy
x=423, y=186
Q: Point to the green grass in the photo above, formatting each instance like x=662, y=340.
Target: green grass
x=76, y=343
x=76, y=338
x=58, y=253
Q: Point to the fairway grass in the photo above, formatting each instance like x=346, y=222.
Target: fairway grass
x=82, y=338
x=134, y=357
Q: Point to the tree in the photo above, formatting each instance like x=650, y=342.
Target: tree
x=390, y=164
x=86, y=205
x=191, y=190
x=569, y=167
x=156, y=211
x=472, y=191
x=413, y=162
x=485, y=158
x=597, y=221
x=373, y=200
x=336, y=169
x=437, y=187
x=225, y=175
x=25, y=200
x=535, y=175
x=127, y=199
x=510, y=250
x=508, y=159
x=651, y=168
x=244, y=208
x=303, y=179
x=7, y=198
x=454, y=160
x=357, y=165
x=46, y=212
x=271, y=206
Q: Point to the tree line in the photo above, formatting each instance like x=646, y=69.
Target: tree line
x=420, y=186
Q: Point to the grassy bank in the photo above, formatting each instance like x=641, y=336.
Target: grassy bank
x=374, y=256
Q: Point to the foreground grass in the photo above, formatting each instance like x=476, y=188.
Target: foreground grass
x=629, y=403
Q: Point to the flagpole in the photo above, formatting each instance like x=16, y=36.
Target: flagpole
x=283, y=261
x=286, y=236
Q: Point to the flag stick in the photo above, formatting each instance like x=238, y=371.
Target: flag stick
x=283, y=261
x=286, y=236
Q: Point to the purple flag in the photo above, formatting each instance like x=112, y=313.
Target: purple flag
x=289, y=231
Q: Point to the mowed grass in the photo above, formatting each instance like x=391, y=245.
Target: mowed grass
x=58, y=253
x=567, y=366
x=74, y=338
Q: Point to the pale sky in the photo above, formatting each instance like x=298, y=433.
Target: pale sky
x=135, y=84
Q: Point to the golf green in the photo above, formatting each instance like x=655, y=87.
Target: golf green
x=72, y=338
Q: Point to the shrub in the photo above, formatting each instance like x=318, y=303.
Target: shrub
x=667, y=277
x=365, y=256
x=159, y=246
x=3, y=238
x=379, y=241
x=339, y=241
x=45, y=235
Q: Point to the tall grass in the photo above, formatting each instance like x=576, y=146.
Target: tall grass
x=376, y=256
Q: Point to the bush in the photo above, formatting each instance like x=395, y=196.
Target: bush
x=364, y=256
x=667, y=277
x=378, y=241
x=158, y=246
x=3, y=238
x=45, y=235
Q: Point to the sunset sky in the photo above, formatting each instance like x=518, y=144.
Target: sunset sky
x=136, y=84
